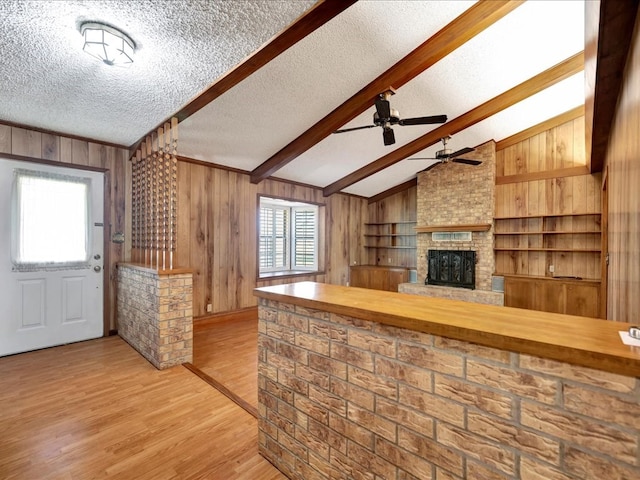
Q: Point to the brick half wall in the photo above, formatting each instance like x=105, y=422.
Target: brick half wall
x=344, y=398
x=155, y=314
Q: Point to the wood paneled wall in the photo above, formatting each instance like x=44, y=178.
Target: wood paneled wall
x=559, y=145
x=217, y=234
x=537, y=176
x=623, y=187
x=54, y=148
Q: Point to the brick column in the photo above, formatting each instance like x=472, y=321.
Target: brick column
x=456, y=194
x=155, y=313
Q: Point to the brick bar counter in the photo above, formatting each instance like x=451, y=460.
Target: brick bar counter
x=369, y=385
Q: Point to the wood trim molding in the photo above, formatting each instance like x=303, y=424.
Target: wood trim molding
x=541, y=127
x=306, y=24
x=203, y=163
x=470, y=23
x=54, y=163
x=607, y=51
x=393, y=190
x=61, y=134
x=551, y=76
x=156, y=271
x=475, y=227
x=544, y=175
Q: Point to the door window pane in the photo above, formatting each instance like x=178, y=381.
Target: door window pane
x=50, y=219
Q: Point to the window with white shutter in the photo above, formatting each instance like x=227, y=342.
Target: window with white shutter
x=288, y=237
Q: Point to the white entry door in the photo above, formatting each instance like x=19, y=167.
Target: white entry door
x=51, y=258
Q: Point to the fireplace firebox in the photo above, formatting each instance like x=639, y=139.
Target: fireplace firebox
x=451, y=268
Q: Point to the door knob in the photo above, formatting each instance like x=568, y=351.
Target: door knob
x=97, y=268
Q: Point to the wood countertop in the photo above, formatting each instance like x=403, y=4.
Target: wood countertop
x=588, y=342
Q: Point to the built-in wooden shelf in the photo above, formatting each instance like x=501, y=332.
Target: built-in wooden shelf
x=390, y=246
x=390, y=243
x=475, y=227
x=558, y=279
x=550, y=232
x=542, y=249
x=515, y=217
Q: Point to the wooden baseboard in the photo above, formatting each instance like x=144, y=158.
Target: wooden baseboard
x=235, y=315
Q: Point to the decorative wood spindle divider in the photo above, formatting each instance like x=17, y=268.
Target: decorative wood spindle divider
x=155, y=307
x=154, y=202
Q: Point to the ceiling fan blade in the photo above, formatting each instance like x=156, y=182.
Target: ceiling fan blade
x=354, y=128
x=422, y=158
x=424, y=120
x=461, y=152
x=388, y=136
x=383, y=108
x=466, y=161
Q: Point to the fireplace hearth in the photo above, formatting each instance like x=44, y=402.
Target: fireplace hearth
x=451, y=268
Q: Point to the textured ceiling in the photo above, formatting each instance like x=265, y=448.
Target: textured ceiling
x=48, y=82
x=183, y=46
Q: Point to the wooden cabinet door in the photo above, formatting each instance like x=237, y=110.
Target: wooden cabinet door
x=519, y=293
x=378, y=278
x=358, y=277
x=553, y=295
x=583, y=300
x=550, y=296
x=396, y=277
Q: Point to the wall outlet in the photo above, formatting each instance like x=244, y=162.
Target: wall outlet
x=389, y=259
x=209, y=308
x=552, y=269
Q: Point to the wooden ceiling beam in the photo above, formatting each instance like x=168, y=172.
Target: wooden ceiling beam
x=470, y=23
x=608, y=30
x=543, y=80
x=307, y=23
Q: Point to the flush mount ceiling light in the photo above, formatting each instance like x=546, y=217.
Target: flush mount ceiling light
x=107, y=43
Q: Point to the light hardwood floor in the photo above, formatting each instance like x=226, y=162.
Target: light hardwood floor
x=98, y=410
x=227, y=351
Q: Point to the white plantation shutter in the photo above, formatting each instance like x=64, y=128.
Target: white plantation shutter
x=288, y=236
x=305, y=232
x=273, y=238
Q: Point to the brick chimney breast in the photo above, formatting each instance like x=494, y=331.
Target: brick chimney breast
x=459, y=194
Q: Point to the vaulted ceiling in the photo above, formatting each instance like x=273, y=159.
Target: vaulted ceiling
x=260, y=86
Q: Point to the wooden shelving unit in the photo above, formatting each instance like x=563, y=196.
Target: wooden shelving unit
x=391, y=243
x=570, y=244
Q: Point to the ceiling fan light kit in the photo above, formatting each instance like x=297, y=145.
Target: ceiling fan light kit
x=385, y=116
x=108, y=44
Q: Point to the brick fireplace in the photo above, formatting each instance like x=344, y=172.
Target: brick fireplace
x=450, y=197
